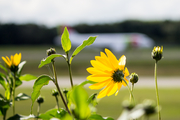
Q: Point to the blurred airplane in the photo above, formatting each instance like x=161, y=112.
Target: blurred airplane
x=117, y=42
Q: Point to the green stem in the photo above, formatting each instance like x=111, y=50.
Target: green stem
x=58, y=88
x=38, y=110
x=132, y=86
x=157, y=94
x=69, y=68
x=13, y=94
x=57, y=101
x=132, y=97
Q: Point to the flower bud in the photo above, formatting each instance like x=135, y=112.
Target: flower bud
x=55, y=92
x=157, y=53
x=65, y=91
x=128, y=105
x=149, y=107
x=40, y=100
x=134, y=78
x=51, y=51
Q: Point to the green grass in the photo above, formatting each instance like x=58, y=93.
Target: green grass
x=110, y=106
x=138, y=60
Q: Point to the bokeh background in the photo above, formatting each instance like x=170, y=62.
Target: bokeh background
x=31, y=27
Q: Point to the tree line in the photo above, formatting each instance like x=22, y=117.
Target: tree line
x=162, y=32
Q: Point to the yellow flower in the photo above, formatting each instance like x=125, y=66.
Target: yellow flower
x=13, y=61
x=108, y=73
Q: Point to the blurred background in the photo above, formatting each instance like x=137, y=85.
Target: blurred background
x=33, y=26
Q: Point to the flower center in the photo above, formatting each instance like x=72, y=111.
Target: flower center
x=117, y=76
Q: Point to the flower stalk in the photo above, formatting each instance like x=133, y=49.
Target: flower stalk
x=69, y=68
x=157, y=55
x=13, y=94
x=58, y=88
x=157, y=93
x=131, y=94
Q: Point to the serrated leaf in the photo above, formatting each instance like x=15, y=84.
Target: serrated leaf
x=49, y=59
x=39, y=83
x=27, y=77
x=65, y=41
x=85, y=43
x=20, y=67
x=22, y=96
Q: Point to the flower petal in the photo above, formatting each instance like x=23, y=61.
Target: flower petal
x=92, y=70
x=17, y=59
x=122, y=62
x=106, y=60
x=100, y=66
x=99, y=85
x=6, y=61
x=97, y=79
x=126, y=72
x=119, y=87
x=103, y=92
x=114, y=88
x=112, y=58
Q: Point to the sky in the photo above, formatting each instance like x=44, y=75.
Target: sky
x=71, y=12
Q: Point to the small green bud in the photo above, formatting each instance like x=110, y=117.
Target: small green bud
x=149, y=107
x=55, y=92
x=127, y=105
x=134, y=78
x=157, y=53
x=65, y=91
x=51, y=51
x=40, y=100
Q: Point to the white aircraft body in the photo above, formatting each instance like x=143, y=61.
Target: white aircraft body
x=116, y=42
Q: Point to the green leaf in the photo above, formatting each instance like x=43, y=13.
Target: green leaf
x=99, y=117
x=83, y=45
x=55, y=113
x=87, y=82
x=39, y=83
x=27, y=77
x=2, y=81
x=4, y=68
x=78, y=99
x=20, y=67
x=1, y=96
x=22, y=117
x=49, y=59
x=65, y=41
x=18, y=82
x=7, y=93
x=22, y=96
x=4, y=103
x=92, y=97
